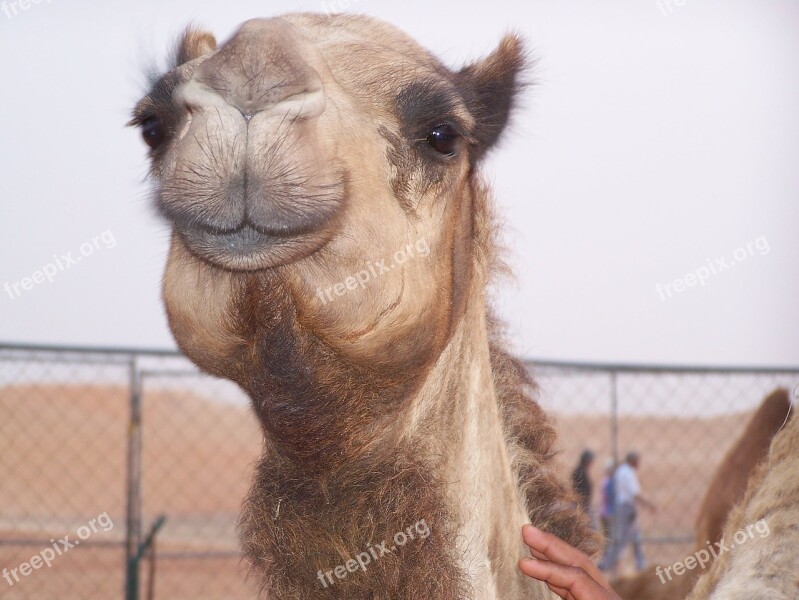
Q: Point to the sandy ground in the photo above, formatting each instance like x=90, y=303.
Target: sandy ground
x=63, y=462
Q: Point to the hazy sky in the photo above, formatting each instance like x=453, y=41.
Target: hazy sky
x=660, y=146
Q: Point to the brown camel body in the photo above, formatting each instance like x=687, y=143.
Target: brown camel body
x=302, y=153
x=729, y=483
x=762, y=532
x=726, y=490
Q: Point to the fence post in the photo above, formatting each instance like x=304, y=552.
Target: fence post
x=133, y=528
x=614, y=416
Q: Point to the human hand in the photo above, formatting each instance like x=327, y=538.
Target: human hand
x=567, y=572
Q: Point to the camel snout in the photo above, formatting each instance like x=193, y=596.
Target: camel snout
x=262, y=66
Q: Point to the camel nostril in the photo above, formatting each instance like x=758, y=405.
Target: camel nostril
x=248, y=114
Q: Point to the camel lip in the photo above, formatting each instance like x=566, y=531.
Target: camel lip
x=271, y=229
x=250, y=249
x=247, y=229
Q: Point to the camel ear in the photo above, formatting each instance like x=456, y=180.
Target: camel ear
x=491, y=87
x=194, y=43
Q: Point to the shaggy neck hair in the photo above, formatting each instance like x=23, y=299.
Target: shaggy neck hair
x=353, y=455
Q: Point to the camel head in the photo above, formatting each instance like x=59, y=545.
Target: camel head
x=321, y=167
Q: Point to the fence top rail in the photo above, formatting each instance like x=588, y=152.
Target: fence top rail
x=664, y=369
x=13, y=346
x=530, y=362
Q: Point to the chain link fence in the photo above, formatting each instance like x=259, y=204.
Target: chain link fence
x=681, y=422
x=122, y=472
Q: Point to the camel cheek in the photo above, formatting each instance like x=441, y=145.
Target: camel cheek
x=199, y=301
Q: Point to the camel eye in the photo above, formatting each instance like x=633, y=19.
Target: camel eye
x=444, y=139
x=152, y=130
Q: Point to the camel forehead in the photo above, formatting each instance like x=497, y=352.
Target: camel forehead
x=348, y=31
x=356, y=50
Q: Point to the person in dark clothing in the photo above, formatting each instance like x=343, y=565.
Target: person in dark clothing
x=607, y=504
x=581, y=480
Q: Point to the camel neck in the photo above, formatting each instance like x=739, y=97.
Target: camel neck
x=357, y=474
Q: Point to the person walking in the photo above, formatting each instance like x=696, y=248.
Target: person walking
x=581, y=480
x=607, y=499
x=625, y=524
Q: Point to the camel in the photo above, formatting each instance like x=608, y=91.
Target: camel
x=726, y=490
x=730, y=480
x=761, y=533
x=332, y=242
